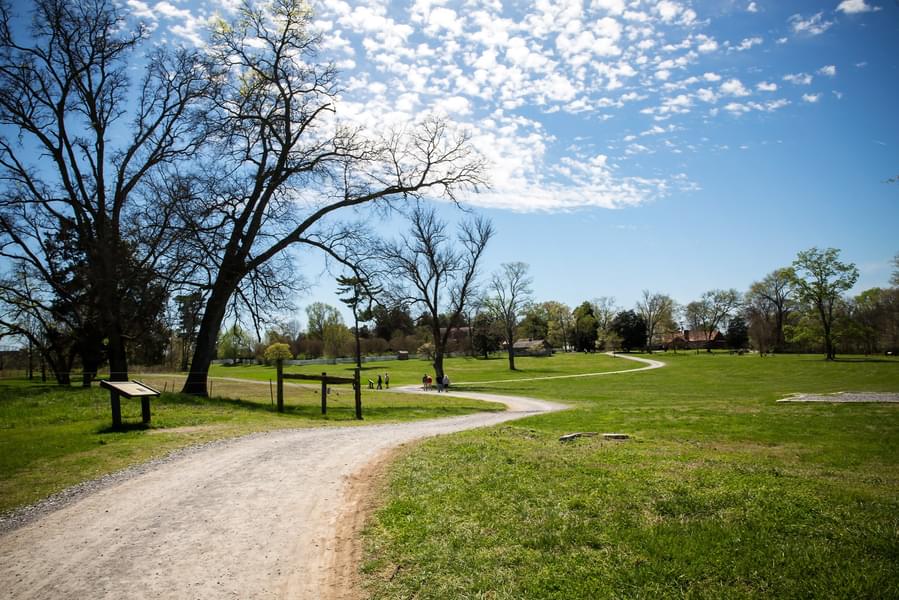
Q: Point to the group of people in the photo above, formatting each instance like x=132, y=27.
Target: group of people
x=443, y=383
x=383, y=382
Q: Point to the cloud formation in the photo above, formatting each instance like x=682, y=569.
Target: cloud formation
x=538, y=86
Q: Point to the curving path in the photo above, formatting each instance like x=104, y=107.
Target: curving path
x=265, y=516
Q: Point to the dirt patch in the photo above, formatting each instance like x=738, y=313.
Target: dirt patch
x=845, y=397
x=360, y=501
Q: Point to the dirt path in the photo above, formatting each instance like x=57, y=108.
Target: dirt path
x=253, y=518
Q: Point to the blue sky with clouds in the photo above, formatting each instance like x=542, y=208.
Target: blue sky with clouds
x=674, y=145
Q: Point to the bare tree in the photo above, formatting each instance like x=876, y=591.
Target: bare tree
x=773, y=299
x=655, y=308
x=711, y=311
x=511, y=292
x=85, y=144
x=604, y=311
x=430, y=268
x=820, y=281
x=282, y=166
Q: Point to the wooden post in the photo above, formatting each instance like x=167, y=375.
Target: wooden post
x=324, y=393
x=116, y=409
x=145, y=409
x=280, y=364
x=358, y=393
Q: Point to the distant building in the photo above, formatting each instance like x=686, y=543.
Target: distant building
x=693, y=339
x=531, y=347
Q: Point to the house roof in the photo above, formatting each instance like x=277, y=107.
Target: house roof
x=530, y=344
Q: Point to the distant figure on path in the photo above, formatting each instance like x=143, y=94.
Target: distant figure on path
x=429, y=383
x=380, y=382
x=439, y=384
x=446, y=382
x=387, y=380
x=371, y=384
x=424, y=381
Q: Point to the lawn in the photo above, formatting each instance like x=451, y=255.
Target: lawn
x=462, y=371
x=720, y=492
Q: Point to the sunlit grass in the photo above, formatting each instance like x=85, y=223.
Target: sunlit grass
x=720, y=492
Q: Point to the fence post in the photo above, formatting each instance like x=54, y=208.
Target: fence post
x=358, y=392
x=324, y=393
x=116, y=409
x=280, y=367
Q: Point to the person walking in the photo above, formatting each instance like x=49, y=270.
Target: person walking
x=424, y=381
x=386, y=380
x=446, y=382
x=380, y=381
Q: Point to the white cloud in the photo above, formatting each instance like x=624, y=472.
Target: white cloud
x=828, y=70
x=753, y=7
x=765, y=86
x=711, y=77
x=856, y=6
x=748, y=43
x=814, y=25
x=798, y=78
x=707, y=44
x=668, y=10
x=707, y=95
x=734, y=87
x=614, y=7
x=811, y=98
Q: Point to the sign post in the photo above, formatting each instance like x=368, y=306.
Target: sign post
x=129, y=389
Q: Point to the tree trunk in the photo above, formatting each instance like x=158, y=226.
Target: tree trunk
x=195, y=384
x=511, y=350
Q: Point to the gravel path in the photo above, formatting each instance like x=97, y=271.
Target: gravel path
x=256, y=517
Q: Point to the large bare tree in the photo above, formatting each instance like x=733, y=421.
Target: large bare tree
x=510, y=291
x=711, y=311
x=436, y=271
x=283, y=167
x=655, y=308
x=773, y=300
x=81, y=141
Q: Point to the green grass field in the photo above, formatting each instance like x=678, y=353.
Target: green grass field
x=463, y=370
x=721, y=492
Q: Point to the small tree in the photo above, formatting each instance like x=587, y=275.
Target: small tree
x=278, y=352
x=655, y=308
x=631, y=328
x=821, y=280
x=511, y=288
x=737, y=333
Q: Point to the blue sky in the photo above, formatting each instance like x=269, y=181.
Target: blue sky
x=670, y=145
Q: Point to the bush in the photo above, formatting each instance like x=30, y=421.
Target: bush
x=277, y=352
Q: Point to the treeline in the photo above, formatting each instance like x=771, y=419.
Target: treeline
x=799, y=308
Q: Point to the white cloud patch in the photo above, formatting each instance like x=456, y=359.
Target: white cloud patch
x=734, y=87
x=828, y=71
x=814, y=25
x=851, y=7
x=748, y=43
x=811, y=98
x=798, y=78
x=496, y=71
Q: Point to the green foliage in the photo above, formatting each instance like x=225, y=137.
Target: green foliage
x=585, y=328
x=278, y=351
x=631, y=329
x=235, y=343
x=821, y=279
